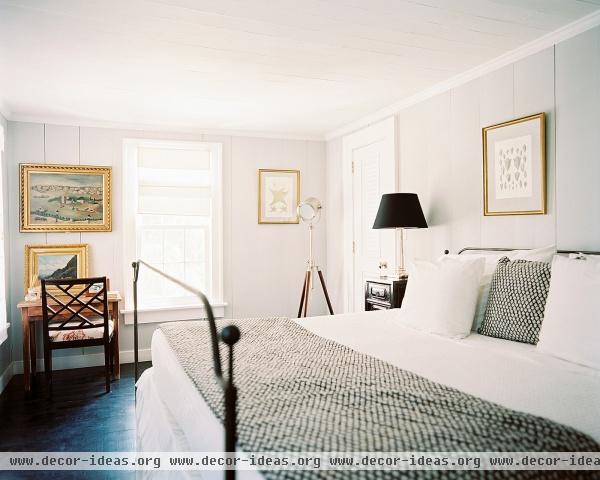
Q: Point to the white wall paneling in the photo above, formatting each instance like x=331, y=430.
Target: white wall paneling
x=264, y=264
x=440, y=154
x=534, y=86
x=426, y=169
x=334, y=203
x=465, y=156
x=27, y=145
x=578, y=141
x=284, y=247
x=5, y=347
x=61, y=144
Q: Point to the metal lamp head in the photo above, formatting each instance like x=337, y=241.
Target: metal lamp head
x=310, y=210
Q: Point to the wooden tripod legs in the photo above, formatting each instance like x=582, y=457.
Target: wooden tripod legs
x=325, y=292
x=304, y=297
x=303, y=309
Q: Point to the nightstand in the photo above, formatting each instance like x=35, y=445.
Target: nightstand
x=383, y=293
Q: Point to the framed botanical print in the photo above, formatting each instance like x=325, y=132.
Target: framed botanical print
x=54, y=262
x=514, y=167
x=65, y=198
x=278, y=196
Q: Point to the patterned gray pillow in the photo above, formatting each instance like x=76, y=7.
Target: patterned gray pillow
x=518, y=294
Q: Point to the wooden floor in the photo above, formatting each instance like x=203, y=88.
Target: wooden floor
x=79, y=416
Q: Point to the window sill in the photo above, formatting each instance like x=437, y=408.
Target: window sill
x=172, y=313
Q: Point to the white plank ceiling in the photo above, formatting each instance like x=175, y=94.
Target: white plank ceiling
x=289, y=66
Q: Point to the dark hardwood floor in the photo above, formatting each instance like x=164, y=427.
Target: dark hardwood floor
x=78, y=416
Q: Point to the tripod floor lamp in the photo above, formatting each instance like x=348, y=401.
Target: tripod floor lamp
x=310, y=211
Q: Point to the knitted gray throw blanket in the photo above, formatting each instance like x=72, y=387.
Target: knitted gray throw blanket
x=301, y=392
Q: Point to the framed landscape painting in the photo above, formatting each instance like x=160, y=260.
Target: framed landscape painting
x=514, y=167
x=54, y=262
x=65, y=198
x=278, y=196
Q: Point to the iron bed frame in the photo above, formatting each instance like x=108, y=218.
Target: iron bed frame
x=230, y=335
x=502, y=249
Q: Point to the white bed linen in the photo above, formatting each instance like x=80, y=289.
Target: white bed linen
x=172, y=416
x=158, y=431
x=508, y=373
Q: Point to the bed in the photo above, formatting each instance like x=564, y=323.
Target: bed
x=172, y=415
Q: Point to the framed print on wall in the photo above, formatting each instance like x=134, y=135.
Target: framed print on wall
x=54, y=262
x=278, y=195
x=514, y=167
x=65, y=198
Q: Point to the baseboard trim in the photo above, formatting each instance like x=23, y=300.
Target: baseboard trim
x=7, y=374
x=82, y=361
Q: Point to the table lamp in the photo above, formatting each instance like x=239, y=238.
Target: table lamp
x=400, y=211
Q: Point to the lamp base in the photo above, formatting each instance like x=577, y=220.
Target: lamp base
x=397, y=274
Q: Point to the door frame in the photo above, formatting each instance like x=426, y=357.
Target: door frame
x=386, y=131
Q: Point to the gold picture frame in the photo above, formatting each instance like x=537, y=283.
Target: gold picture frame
x=516, y=182
x=278, y=196
x=55, y=261
x=65, y=198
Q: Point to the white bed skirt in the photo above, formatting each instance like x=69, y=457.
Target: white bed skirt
x=157, y=430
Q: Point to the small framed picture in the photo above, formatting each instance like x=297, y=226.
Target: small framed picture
x=65, y=198
x=278, y=196
x=54, y=262
x=514, y=167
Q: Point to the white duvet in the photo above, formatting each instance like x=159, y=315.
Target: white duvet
x=511, y=374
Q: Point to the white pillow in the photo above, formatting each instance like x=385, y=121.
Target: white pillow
x=544, y=254
x=571, y=326
x=441, y=296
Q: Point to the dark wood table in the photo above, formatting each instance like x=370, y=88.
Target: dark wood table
x=31, y=313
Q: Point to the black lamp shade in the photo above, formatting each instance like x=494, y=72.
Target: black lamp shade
x=400, y=210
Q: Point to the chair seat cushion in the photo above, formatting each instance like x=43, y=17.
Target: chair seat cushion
x=80, y=334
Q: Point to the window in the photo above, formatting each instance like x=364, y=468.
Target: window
x=3, y=321
x=173, y=218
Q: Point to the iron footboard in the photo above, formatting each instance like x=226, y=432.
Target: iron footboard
x=228, y=335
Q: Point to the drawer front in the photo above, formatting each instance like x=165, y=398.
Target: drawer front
x=379, y=292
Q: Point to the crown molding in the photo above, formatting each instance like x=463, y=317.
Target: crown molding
x=181, y=129
x=550, y=39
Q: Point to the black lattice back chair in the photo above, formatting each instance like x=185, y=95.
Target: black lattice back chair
x=74, y=317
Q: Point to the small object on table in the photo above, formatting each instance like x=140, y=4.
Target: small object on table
x=384, y=293
x=33, y=293
x=383, y=269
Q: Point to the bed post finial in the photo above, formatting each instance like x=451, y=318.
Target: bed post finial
x=230, y=335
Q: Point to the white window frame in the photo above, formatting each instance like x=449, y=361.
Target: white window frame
x=194, y=310
x=4, y=281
